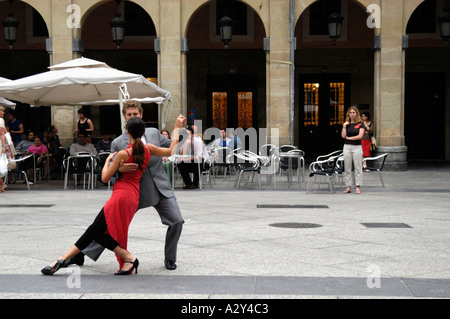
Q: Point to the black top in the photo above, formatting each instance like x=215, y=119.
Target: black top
x=353, y=130
x=82, y=127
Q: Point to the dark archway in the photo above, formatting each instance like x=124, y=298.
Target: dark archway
x=426, y=84
x=214, y=73
x=330, y=78
x=28, y=56
x=136, y=55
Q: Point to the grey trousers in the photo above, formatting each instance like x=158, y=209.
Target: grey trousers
x=353, y=156
x=170, y=215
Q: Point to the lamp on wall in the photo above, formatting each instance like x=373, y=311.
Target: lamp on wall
x=117, y=27
x=10, y=26
x=334, y=26
x=444, y=21
x=226, y=30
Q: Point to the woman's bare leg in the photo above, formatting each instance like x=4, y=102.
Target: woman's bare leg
x=69, y=254
x=126, y=256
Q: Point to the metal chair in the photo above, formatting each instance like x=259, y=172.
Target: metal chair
x=232, y=160
x=291, y=160
x=40, y=167
x=99, y=162
x=175, y=159
x=327, y=156
x=208, y=171
x=249, y=162
x=340, y=168
x=287, y=148
x=284, y=162
x=377, y=165
x=220, y=155
x=60, y=159
x=265, y=149
x=271, y=170
x=20, y=171
x=80, y=164
x=325, y=168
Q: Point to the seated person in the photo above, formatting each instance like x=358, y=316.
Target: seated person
x=23, y=145
x=56, y=157
x=53, y=129
x=82, y=146
x=195, y=147
x=21, y=150
x=40, y=150
x=104, y=145
x=235, y=141
x=222, y=141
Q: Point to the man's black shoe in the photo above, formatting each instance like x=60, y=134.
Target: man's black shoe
x=78, y=259
x=170, y=265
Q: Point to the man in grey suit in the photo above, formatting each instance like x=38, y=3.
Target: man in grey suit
x=155, y=190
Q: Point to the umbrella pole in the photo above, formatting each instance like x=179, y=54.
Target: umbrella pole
x=167, y=113
x=122, y=120
x=123, y=95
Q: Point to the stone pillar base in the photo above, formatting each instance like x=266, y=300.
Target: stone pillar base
x=397, y=158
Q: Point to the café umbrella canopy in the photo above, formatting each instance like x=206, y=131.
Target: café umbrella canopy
x=3, y=101
x=82, y=81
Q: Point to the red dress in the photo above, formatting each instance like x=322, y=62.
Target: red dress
x=120, y=208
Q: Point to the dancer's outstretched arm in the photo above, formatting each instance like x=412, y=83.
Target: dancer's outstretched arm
x=163, y=151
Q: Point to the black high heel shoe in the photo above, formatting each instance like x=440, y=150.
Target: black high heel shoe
x=128, y=272
x=49, y=270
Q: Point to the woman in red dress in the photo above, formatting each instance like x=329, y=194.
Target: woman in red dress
x=110, y=228
x=367, y=137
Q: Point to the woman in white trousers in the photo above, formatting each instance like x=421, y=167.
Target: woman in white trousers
x=352, y=133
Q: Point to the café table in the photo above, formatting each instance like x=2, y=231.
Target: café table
x=294, y=154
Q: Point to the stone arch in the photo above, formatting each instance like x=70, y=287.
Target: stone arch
x=410, y=7
x=148, y=7
x=86, y=11
x=359, y=8
x=195, y=5
x=43, y=8
x=300, y=6
x=152, y=9
x=189, y=13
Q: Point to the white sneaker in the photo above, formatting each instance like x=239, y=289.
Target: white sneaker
x=30, y=183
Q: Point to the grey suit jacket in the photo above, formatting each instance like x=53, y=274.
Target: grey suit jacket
x=154, y=181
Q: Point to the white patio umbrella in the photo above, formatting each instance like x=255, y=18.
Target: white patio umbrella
x=81, y=81
x=7, y=103
x=3, y=101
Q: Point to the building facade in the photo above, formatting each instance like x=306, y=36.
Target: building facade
x=280, y=71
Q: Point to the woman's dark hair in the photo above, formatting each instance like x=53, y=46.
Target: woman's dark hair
x=136, y=128
x=168, y=134
x=366, y=113
x=190, y=129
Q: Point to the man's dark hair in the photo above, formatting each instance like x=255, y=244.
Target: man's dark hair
x=190, y=129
